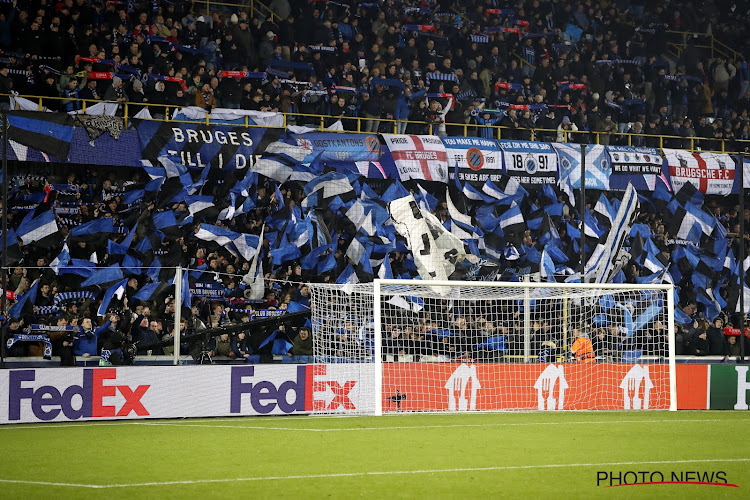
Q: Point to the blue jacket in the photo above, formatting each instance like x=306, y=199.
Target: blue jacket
x=402, y=108
x=87, y=339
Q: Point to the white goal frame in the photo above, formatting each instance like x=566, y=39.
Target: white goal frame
x=377, y=317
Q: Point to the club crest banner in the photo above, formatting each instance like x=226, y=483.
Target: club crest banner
x=477, y=159
x=530, y=163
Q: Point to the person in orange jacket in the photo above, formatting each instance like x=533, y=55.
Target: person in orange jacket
x=582, y=348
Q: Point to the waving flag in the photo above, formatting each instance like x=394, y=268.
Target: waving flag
x=116, y=290
x=279, y=159
x=50, y=133
x=33, y=229
x=598, y=166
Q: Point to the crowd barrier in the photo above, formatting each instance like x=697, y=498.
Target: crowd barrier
x=175, y=114
x=106, y=141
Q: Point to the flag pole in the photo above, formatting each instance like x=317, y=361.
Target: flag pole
x=741, y=252
x=583, y=213
x=4, y=270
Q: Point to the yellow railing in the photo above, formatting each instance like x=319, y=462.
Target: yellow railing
x=384, y=125
x=705, y=41
x=255, y=6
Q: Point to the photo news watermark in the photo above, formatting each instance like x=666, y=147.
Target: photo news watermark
x=610, y=479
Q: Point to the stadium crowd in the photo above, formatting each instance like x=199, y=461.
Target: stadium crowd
x=579, y=67
x=582, y=67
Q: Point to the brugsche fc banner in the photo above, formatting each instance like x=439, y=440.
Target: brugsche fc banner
x=710, y=173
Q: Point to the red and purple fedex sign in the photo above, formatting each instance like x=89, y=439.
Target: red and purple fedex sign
x=305, y=394
x=84, y=400
x=58, y=395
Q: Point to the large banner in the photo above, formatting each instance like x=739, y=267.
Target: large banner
x=640, y=167
x=535, y=386
x=339, y=147
x=477, y=159
x=630, y=160
x=103, y=150
x=530, y=163
x=56, y=395
x=198, y=145
x=598, y=166
x=420, y=157
x=710, y=173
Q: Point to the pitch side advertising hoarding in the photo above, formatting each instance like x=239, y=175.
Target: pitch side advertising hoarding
x=57, y=395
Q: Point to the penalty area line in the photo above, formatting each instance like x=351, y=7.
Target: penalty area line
x=367, y=474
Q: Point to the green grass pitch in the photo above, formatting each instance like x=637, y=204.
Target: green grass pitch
x=487, y=455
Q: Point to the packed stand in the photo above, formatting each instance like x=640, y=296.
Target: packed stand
x=104, y=276
x=568, y=68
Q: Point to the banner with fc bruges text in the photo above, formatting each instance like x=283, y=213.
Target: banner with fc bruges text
x=531, y=163
x=478, y=159
x=133, y=392
x=336, y=147
x=637, y=166
x=198, y=145
x=710, y=173
x=419, y=157
x=598, y=165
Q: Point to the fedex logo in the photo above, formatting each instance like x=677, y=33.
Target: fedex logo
x=48, y=401
x=309, y=391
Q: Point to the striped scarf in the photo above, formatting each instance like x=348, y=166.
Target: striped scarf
x=64, y=297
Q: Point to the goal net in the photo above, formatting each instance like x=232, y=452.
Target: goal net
x=473, y=346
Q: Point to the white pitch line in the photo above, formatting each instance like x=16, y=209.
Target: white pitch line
x=209, y=424
x=253, y=427
x=446, y=426
x=369, y=473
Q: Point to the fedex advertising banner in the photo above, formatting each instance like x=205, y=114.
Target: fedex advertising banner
x=55, y=395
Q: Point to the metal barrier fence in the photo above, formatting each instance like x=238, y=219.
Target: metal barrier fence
x=390, y=126
x=254, y=7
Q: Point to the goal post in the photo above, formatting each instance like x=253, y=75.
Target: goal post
x=473, y=346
